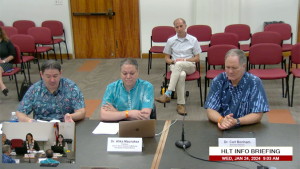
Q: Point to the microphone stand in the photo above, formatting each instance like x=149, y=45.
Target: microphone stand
x=183, y=143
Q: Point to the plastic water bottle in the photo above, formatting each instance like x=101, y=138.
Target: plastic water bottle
x=13, y=117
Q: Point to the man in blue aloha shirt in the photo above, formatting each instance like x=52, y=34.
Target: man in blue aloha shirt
x=6, y=155
x=129, y=98
x=49, y=155
x=53, y=98
x=236, y=97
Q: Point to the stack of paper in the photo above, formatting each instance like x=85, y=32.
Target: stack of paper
x=106, y=128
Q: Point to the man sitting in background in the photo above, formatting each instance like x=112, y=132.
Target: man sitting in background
x=53, y=97
x=6, y=155
x=129, y=98
x=49, y=155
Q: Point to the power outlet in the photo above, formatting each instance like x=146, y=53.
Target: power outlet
x=58, y=2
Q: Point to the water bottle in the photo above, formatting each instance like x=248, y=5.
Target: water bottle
x=13, y=117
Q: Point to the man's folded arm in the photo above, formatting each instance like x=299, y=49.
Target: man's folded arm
x=23, y=117
x=213, y=115
x=251, y=118
x=79, y=114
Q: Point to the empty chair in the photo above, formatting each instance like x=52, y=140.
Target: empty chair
x=57, y=29
x=9, y=31
x=285, y=31
x=243, y=32
x=42, y=36
x=160, y=34
x=268, y=54
x=294, y=59
x=202, y=33
x=16, y=60
x=215, y=57
x=267, y=37
x=27, y=45
x=1, y=23
x=16, y=143
x=224, y=39
x=23, y=26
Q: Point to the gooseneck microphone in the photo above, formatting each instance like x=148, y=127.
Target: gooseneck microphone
x=183, y=143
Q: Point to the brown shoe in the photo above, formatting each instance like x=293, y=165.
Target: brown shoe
x=163, y=99
x=180, y=109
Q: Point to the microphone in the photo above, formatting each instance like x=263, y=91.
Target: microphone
x=183, y=143
x=55, y=93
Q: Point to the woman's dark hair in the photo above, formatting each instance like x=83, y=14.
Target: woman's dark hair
x=63, y=141
x=3, y=35
x=30, y=135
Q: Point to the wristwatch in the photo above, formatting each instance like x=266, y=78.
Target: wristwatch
x=3, y=61
x=238, y=122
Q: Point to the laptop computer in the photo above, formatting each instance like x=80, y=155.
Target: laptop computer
x=58, y=149
x=137, y=128
x=21, y=150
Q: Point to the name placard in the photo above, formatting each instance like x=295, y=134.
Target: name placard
x=124, y=144
x=29, y=156
x=237, y=142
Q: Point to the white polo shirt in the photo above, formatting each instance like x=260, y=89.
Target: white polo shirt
x=186, y=47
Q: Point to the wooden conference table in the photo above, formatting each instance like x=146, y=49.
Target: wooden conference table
x=161, y=152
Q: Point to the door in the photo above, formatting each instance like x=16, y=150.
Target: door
x=101, y=36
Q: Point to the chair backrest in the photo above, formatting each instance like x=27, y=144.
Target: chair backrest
x=224, y=38
x=201, y=32
x=265, y=54
x=216, y=54
x=16, y=143
x=56, y=27
x=23, y=26
x=153, y=112
x=242, y=30
x=9, y=31
x=162, y=33
x=285, y=30
x=295, y=54
x=26, y=43
x=17, y=58
x=1, y=23
x=266, y=37
x=41, y=35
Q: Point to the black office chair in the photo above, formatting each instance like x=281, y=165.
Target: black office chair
x=153, y=112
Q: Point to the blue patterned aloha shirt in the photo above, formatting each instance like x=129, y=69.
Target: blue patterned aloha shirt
x=47, y=106
x=140, y=96
x=49, y=160
x=247, y=97
x=7, y=159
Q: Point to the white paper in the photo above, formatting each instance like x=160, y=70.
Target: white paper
x=106, y=128
x=41, y=159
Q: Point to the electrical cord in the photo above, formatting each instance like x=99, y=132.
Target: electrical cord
x=166, y=128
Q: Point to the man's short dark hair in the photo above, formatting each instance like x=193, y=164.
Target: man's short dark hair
x=49, y=153
x=129, y=61
x=5, y=148
x=50, y=64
